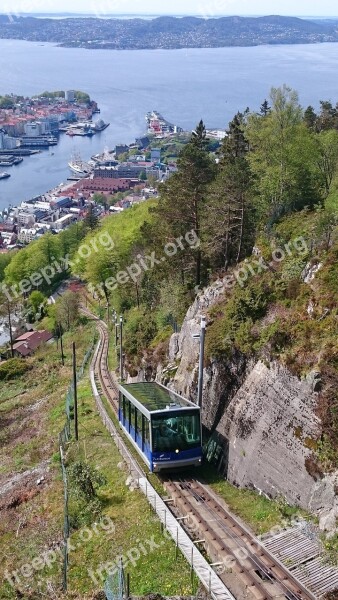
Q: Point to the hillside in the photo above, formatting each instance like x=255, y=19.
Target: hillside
x=250, y=241
x=32, y=414
x=168, y=32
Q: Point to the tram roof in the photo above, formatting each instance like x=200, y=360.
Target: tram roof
x=155, y=397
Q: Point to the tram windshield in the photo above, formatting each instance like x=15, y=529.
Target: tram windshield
x=176, y=431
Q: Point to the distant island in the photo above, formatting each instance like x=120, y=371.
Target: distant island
x=168, y=32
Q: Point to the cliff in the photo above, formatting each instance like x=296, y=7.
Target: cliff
x=262, y=416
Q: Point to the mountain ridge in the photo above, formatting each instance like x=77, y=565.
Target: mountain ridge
x=168, y=32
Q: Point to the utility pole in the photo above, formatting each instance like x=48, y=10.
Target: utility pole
x=10, y=328
x=201, y=362
x=61, y=345
x=121, y=349
x=75, y=394
x=108, y=313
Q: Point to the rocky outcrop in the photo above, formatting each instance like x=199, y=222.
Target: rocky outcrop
x=220, y=380
x=263, y=417
x=271, y=427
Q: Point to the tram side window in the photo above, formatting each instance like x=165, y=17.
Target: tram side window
x=146, y=431
x=126, y=409
x=132, y=416
x=137, y=420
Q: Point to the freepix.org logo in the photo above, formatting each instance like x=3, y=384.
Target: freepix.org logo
x=147, y=263
x=47, y=273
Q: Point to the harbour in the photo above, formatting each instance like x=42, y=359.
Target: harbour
x=218, y=83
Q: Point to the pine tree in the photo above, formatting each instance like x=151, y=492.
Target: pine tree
x=91, y=220
x=328, y=116
x=229, y=218
x=310, y=118
x=265, y=109
x=199, y=136
x=181, y=203
x=235, y=144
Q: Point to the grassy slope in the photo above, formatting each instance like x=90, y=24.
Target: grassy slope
x=31, y=416
x=36, y=524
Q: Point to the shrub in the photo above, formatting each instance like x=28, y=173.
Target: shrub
x=13, y=368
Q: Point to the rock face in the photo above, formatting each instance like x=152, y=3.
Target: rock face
x=262, y=415
x=270, y=424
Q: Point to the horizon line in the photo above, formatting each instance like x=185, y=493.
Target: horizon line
x=135, y=14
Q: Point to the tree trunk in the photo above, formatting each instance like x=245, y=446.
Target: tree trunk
x=240, y=244
x=198, y=267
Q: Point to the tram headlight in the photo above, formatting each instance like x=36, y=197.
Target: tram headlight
x=177, y=451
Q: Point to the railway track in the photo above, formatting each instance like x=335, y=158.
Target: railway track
x=103, y=378
x=228, y=543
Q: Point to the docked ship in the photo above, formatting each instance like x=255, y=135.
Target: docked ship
x=8, y=160
x=159, y=126
x=4, y=175
x=79, y=167
x=81, y=130
x=87, y=128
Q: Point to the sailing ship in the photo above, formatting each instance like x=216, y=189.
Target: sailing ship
x=80, y=167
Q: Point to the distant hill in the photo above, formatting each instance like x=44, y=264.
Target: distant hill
x=169, y=32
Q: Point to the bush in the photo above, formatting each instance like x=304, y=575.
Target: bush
x=235, y=318
x=85, y=505
x=140, y=330
x=13, y=368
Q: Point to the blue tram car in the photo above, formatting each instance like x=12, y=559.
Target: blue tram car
x=164, y=427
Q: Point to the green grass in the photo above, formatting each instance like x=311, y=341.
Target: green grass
x=37, y=524
x=258, y=512
x=331, y=549
x=31, y=415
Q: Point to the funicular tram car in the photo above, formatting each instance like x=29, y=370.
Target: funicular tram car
x=164, y=427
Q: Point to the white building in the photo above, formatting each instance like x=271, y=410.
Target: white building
x=70, y=96
x=7, y=143
x=42, y=205
x=32, y=129
x=26, y=218
x=217, y=134
x=10, y=143
x=44, y=127
x=64, y=221
x=25, y=236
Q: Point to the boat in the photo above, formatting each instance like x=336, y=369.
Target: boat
x=79, y=167
x=81, y=131
x=4, y=175
x=8, y=160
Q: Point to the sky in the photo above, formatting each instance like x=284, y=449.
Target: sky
x=206, y=8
